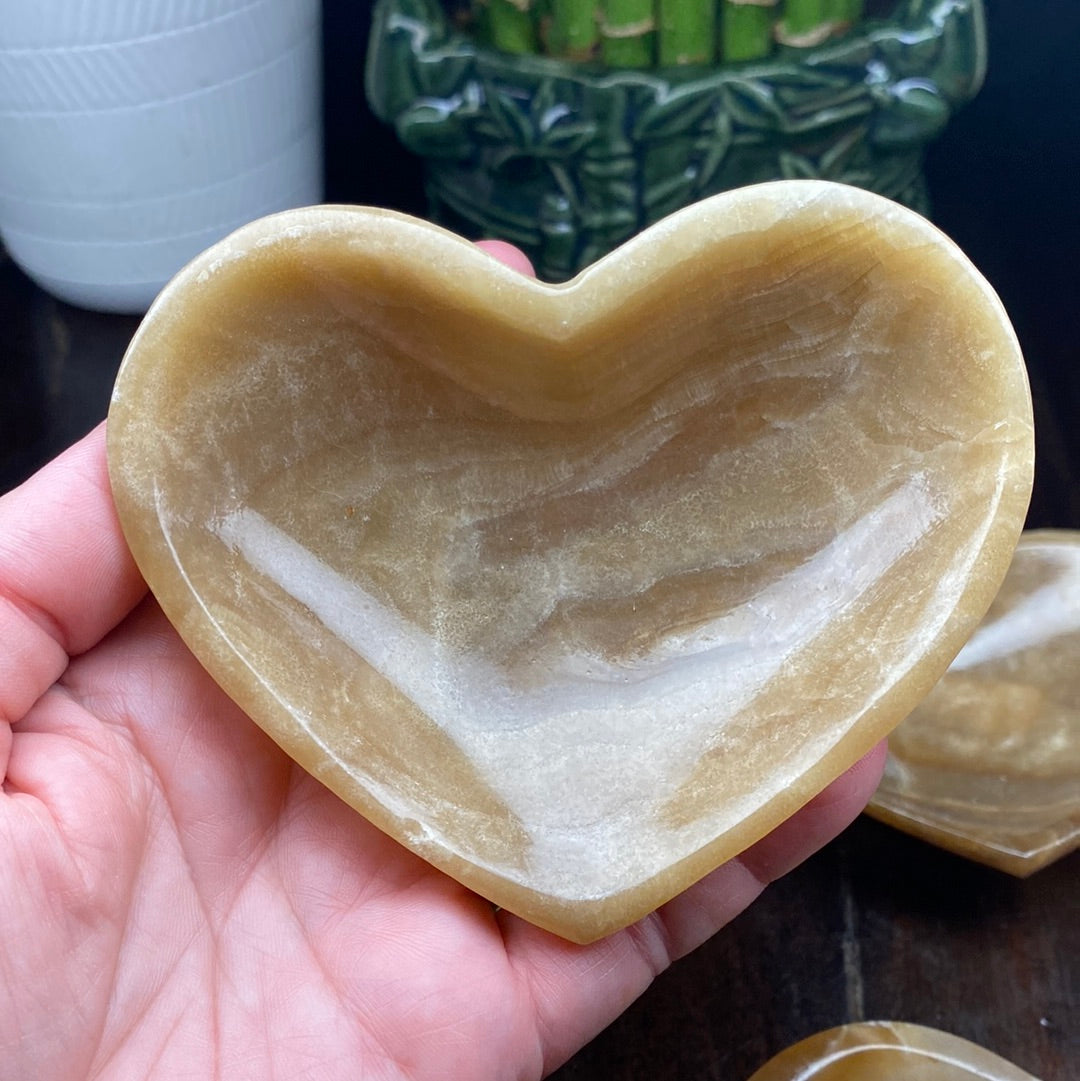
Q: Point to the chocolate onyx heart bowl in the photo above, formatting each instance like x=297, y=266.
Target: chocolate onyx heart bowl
x=577, y=590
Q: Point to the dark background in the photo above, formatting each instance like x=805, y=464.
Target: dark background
x=877, y=925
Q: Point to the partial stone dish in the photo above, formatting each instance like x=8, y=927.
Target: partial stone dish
x=988, y=766
x=578, y=590
x=888, y=1051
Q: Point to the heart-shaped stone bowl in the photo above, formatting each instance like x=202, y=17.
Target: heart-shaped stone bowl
x=988, y=764
x=888, y=1051
x=577, y=590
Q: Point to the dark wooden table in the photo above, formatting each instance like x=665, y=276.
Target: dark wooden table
x=877, y=925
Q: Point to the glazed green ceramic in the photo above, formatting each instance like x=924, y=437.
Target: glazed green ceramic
x=569, y=160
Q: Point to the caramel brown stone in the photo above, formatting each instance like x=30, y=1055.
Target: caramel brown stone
x=888, y=1051
x=988, y=766
x=578, y=590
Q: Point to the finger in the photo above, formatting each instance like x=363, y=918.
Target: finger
x=66, y=576
x=691, y=918
x=506, y=253
x=829, y=813
x=578, y=990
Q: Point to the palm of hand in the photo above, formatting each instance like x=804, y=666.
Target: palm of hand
x=179, y=899
x=209, y=902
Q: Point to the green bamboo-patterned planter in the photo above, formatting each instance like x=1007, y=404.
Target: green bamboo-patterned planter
x=569, y=160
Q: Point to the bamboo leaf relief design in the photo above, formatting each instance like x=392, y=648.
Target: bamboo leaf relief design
x=753, y=105
x=717, y=145
x=829, y=116
x=837, y=161
x=542, y=123
x=569, y=139
x=509, y=117
x=670, y=194
x=793, y=87
x=547, y=103
x=444, y=79
x=682, y=111
x=797, y=167
x=920, y=50
x=423, y=129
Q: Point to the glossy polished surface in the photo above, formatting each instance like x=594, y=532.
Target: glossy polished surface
x=988, y=766
x=578, y=590
x=888, y=1051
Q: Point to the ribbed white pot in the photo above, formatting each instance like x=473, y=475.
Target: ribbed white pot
x=135, y=133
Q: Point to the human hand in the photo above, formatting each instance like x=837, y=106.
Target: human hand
x=178, y=899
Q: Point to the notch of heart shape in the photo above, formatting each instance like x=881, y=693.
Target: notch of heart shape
x=577, y=590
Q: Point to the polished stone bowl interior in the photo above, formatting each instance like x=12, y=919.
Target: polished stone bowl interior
x=578, y=590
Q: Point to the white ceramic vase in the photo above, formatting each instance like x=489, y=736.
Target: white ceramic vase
x=135, y=133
